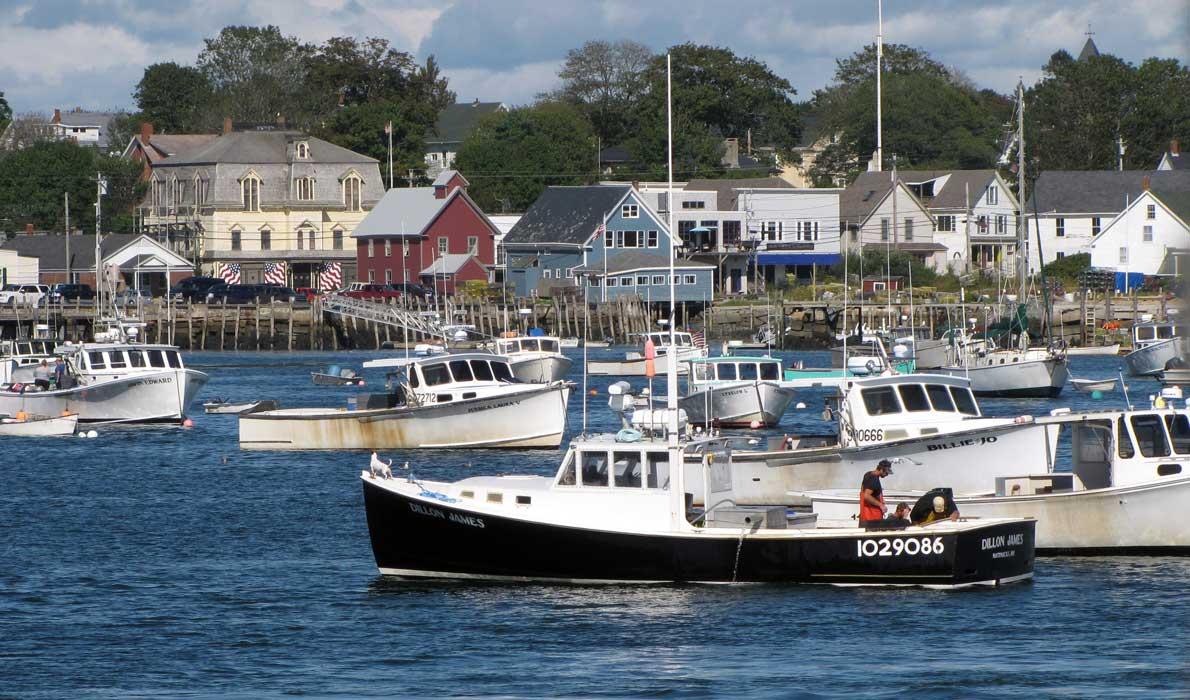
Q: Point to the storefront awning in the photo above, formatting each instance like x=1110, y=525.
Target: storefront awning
x=798, y=258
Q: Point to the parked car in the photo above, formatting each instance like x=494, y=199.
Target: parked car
x=128, y=297
x=307, y=293
x=372, y=290
x=415, y=290
x=248, y=293
x=69, y=292
x=193, y=288
x=23, y=293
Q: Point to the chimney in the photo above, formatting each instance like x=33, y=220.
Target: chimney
x=146, y=132
x=57, y=116
x=28, y=229
x=1144, y=183
x=226, y=126
x=1175, y=148
x=475, y=103
x=280, y=121
x=439, y=191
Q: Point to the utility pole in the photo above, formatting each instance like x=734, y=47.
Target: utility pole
x=66, y=196
x=879, y=56
x=1022, y=239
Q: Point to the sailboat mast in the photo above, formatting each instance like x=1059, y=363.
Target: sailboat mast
x=1022, y=241
x=879, y=57
x=671, y=375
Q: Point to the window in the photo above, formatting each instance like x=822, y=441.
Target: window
x=567, y=477
x=993, y=195
x=914, y=397
x=472, y=245
x=609, y=239
x=630, y=211
x=939, y=397
x=547, y=273
x=1001, y=224
x=594, y=282
x=443, y=243
x=1150, y=435
x=964, y=401
x=945, y=223
x=908, y=229
x=1151, y=211
x=1060, y=255
x=301, y=240
x=642, y=280
x=388, y=276
x=1148, y=234
x=690, y=279
x=626, y=281
x=351, y=193
x=658, y=279
x=461, y=371
x=435, y=375
x=1095, y=228
x=1123, y=254
x=658, y=474
x=981, y=223
x=880, y=401
x=631, y=239
x=371, y=248
x=371, y=275
x=388, y=248
x=266, y=239
x=482, y=371
x=727, y=372
x=236, y=243
x=96, y=360
x=118, y=360
x=304, y=188
x=250, y=193
x=594, y=469
x=200, y=190
x=156, y=358
x=570, y=273
x=174, y=359
x=303, y=150
x=694, y=204
x=626, y=470
x=748, y=371
x=1179, y=432
x=770, y=371
x=502, y=372
x=884, y=227
x=1060, y=227
x=310, y=238
x=613, y=282
x=337, y=236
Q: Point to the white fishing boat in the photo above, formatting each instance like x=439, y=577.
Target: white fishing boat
x=930, y=424
x=735, y=391
x=462, y=400
x=1011, y=372
x=1122, y=490
x=1154, y=345
x=534, y=359
x=38, y=426
x=109, y=382
x=634, y=364
x=28, y=353
x=1086, y=350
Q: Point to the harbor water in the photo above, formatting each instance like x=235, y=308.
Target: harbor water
x=164, y=562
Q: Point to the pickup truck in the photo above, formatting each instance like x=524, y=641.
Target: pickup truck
x=372, y=290
x=23, y=293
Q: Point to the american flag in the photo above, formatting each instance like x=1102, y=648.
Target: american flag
x=274, y=273
x=330, y=276
x=230, y=273
x=699, y=340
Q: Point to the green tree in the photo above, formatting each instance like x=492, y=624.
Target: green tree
x=258, y=75
x=5, y=112
x=176, y=99
x=510, y=157
x=360, y=127
x=1160, y=111
x=33, y=180
x=605, y=80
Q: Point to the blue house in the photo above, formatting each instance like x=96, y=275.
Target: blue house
x=603, y=241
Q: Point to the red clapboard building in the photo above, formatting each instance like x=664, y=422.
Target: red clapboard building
x=434, y=235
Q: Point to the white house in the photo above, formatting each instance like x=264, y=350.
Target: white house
x=1147, y=237
x=874, y=214
x=975, y=215
x=18, y=269
x=1071, y=208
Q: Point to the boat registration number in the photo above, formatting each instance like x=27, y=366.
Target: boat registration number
x=869, y=435
x=899, y=546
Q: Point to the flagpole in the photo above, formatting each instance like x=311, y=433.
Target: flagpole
x=389, y=128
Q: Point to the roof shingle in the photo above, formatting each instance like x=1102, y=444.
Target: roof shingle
x=566, y=214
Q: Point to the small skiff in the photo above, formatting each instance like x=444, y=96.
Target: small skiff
x=39, y=426
x=1088, y=385
x=239, y=407
x=323, y=379
x=1094, y=350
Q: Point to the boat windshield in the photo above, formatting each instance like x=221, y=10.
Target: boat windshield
x=1179, y=432
x=530, y=345
x=770, y=371
x=726, y=371
x=549, y=345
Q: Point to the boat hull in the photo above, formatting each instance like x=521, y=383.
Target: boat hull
x=1094, y=350
x=1028, y=379
x=967, y=462
x=140, y=398
x=1151, y=359
x=42, y=427
x=323, y=379
x=739, y=405
x=1143, y=519
x=540, y=370
x=535, y=418
x=428, y=537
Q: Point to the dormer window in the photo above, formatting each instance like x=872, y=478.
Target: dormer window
x=200, y=190
x=250, y=193
x=351, y=192
x=304, y=188
x=303, y=150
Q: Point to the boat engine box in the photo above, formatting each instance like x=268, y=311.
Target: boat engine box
x=736, y=517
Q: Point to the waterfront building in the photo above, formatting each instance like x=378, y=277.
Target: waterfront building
x=1151, y=236
x=140, y=261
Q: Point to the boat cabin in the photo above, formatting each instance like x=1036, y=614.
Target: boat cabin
x=661, y=340
x=896, y=407
x=120, y=359
x=440, y=379
x=536, y=344
x=1113, y=449
x=735, y=368
x=1145, y=334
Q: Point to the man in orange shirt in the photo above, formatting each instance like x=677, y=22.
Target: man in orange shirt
x=871, y=494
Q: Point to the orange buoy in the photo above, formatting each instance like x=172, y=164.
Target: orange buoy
x=21, y=416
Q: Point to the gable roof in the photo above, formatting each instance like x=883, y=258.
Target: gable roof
x=1098, y=191
x=79, y=118
x=457, y=120
x=162, y=146
x=1174, y=161
x=566, y=214
x=1177, y=201
x=409, y=211
x=727, y=193
x=262, y=147
x=862, y=197
x=448, y=264
x=953, y=194
x=50, y=249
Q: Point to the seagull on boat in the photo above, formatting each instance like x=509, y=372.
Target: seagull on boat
x=381, y=468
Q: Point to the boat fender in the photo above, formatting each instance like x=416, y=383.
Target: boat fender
x=628, y=435
x=871, y=365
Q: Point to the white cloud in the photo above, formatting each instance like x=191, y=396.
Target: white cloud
x=516, y=86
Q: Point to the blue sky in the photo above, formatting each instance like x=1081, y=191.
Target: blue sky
x=90, y=53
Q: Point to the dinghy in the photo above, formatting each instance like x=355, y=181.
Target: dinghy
x=221, y=407
x=337, y=377
x=1089, y=385
x=38, y=426
x=1085, y=350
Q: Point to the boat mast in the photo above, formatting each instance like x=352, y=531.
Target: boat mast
x=1022, y=239
x=671, y=375
x=879, y=56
